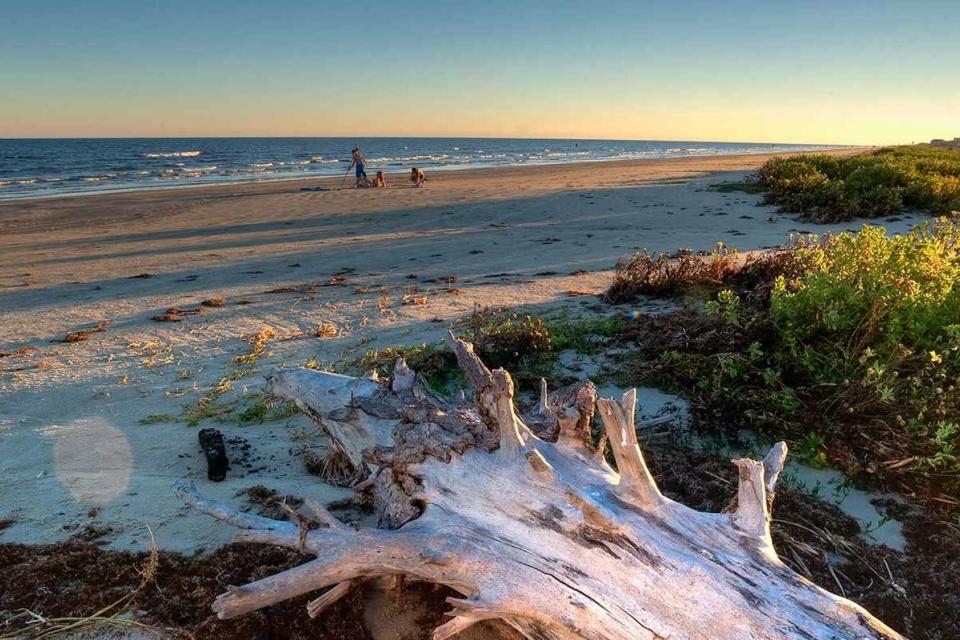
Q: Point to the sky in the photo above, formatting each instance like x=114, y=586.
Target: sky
x=844, y=71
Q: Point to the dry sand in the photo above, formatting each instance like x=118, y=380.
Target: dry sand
x=72, y=450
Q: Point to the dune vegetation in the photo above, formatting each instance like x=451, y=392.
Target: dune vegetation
x=881, y=183
x=849, y=346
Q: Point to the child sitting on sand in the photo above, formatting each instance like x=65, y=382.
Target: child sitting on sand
x=378, y=182
x=417, y=177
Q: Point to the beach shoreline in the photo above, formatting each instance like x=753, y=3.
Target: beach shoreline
x=377, y=267
x=65, y=208
x=328, y=181
x=70, y=168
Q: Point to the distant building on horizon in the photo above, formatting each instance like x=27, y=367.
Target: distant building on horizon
x=940, y=142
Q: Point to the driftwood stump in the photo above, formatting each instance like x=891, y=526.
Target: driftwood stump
x=524, y=517
x=211, y=442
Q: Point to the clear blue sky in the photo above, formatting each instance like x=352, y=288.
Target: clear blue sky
x=843, y=71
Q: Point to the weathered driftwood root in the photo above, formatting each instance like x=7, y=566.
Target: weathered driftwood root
x=544, y=536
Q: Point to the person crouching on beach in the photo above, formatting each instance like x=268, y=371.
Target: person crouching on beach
x=379, y=182
x=359, y=161
x=417, y=177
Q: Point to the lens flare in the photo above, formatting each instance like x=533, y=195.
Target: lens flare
x=93, y=460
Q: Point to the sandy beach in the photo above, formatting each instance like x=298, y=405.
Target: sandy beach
x=663, y=325
x=87, y=428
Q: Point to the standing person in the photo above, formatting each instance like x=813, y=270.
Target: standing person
x=359, y=161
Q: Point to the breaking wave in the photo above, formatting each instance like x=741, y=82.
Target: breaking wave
x=31, y=168
x=173, y=154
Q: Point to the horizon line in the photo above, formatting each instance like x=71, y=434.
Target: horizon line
x=445, y=137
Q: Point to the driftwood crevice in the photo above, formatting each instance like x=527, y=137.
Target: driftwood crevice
x=523, y=516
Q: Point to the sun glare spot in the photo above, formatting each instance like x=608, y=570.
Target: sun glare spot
x=93, y=460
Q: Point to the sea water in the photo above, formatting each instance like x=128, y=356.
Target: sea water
x=47, y=167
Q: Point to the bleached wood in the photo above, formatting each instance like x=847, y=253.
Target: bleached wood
x=544, y=405
x=752, y=515
x=316, y=606
x=543, y=536
x=326, y=398
x=403, y=376
x=636, y=485
x=773, y=465
x=189, y=494
x=453, y=627
x=499, y=399
x=323, y=516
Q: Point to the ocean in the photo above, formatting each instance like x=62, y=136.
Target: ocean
x=49, y=167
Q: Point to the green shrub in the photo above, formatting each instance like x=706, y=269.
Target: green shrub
x=874, y=323
x=437, y=366
x=797, y=185
x=847, y=346
x=876, y=184
x=503, y=338
x=891, y=295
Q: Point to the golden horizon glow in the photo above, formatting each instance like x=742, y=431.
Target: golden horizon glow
x=777, y=74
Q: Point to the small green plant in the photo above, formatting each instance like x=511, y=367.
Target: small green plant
x=257, y=410
x=788, y=401
x=727, y=306
x=209, y=406
x=502, y=337
x=582, y=334
x=945, y=440
x=205, y=409
x=811, y=450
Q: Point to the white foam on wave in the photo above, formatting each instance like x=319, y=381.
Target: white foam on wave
x=194, y=172
x=431, y=157
x=567, y=154
x=173, y=154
